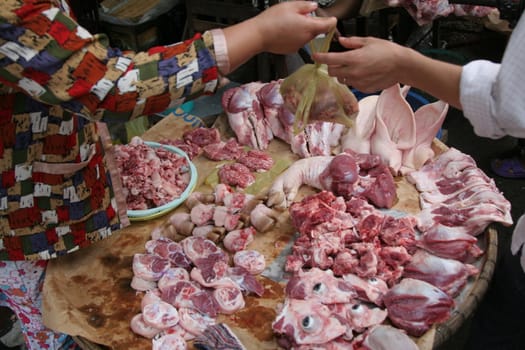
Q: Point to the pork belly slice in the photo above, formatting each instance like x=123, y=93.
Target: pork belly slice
x=447, y=274
x=307, y=322
x=415, y=305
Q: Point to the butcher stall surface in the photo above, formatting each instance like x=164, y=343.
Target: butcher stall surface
x=88, y=294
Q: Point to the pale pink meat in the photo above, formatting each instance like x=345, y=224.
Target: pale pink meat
x=359, y=316
x=263, y=218
x=198, y=247
x=149, y=267
x=251, y=260
x=140, y=327
x=202, y=214
x=238, y=240
x=160, y=314
x=229, y=299
x=142, y=285
x=171, y=277
x=194, y=321
x=429, y=119
x=150, y=297
x=387, y=338
x=246, y=116
x=357, y=138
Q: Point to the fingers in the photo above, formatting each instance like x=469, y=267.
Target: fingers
x=353, y=42
x=330, y=58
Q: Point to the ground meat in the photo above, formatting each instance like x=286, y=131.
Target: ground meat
x=236, y=174
x=202, y=136
x=150, y=176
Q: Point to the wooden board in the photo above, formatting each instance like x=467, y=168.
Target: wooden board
x=87, y=294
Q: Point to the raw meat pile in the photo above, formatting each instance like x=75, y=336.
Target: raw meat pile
x=354, y=267
x=150, y=176
x=385, y=126
x=186, y=285
x=226, y=216
x=207, y=141
x=256, y=114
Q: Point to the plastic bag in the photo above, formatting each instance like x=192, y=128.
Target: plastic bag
x=312, y=95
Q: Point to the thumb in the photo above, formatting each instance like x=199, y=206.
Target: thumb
x=353, y=42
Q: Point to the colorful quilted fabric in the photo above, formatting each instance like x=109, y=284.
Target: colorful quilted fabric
x=58, y=189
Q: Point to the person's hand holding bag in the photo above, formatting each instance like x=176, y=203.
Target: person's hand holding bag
x=280, y=29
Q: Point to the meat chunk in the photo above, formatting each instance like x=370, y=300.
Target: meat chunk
x=236, y=174
x=415, y=306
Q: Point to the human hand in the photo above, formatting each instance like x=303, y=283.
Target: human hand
x=288, y=26
x=373, y=64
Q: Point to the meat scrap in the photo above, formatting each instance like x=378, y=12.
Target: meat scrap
x=150, y=176
x=236, y=174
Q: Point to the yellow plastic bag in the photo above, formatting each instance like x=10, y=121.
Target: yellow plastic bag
x=312, y=95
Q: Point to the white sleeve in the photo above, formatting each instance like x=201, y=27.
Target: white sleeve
x=493, y=95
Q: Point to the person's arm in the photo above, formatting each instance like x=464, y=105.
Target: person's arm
x=48, y=56
x=373, y=64
x=280, y=29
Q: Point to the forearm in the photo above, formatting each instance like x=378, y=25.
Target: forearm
x=438, y=78
x=243, y=42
